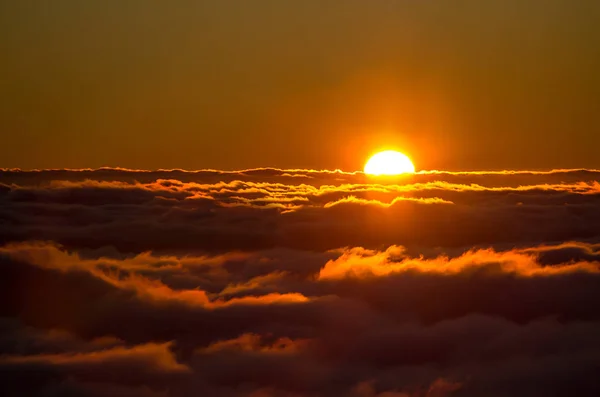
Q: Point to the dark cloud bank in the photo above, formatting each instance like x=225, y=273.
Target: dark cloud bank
x=268, y=283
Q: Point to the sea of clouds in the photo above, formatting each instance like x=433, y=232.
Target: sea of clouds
x=268, y=282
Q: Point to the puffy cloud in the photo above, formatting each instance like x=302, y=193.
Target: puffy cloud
x=213, y=211
x=358, y=262
x=299, y=283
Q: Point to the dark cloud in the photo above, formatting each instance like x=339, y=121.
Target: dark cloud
x=271, y=283
x=213, y=211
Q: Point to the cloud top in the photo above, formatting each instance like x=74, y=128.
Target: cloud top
x=299, y=283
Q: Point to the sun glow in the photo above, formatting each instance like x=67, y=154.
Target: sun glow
x=389, y=162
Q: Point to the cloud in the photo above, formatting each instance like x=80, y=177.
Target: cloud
x=299, y=283
x=358, y=262
x=151, y=357
x=213, y=211
x=151, y=364
x=439, y=388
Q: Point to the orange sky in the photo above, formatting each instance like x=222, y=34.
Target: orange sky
x=311, y=84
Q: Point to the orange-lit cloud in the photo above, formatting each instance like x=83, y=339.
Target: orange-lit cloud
x=254, y=343
x=358, y=262
x=299, y=283
x=151, y=357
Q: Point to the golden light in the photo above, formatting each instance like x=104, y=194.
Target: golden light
x=389, y=162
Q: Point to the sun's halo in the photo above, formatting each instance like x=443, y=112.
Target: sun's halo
x=389, y=162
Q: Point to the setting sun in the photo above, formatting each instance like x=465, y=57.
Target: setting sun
x=389, y=162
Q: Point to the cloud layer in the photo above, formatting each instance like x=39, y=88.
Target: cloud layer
x=299, y=283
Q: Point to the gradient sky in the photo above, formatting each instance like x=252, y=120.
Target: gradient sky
x=457, y=85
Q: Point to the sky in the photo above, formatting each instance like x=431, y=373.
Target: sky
x=457, y=85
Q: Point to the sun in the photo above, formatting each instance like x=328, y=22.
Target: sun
x=389, y=162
